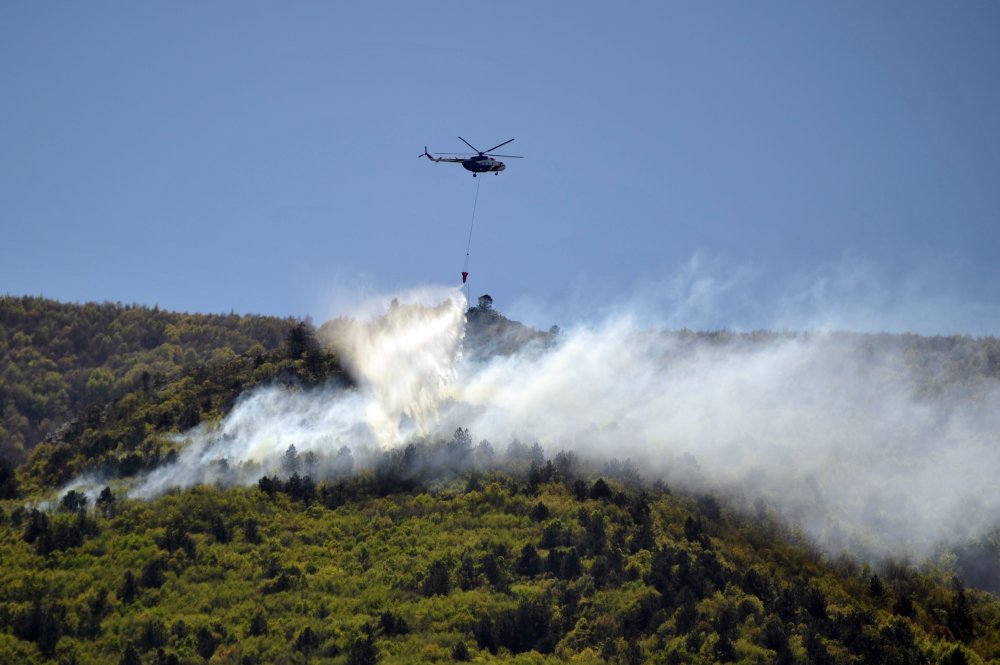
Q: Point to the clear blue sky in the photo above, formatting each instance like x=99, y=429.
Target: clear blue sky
x=724, y=164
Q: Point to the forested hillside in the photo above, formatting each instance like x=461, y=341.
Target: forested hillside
x=439, y=551
x=56, y=358
x=507, y=556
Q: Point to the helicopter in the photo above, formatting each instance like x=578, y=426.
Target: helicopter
x=482, y=162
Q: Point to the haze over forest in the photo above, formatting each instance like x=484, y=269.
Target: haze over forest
x=875, y=447
x=737, y=401
x=844, y=432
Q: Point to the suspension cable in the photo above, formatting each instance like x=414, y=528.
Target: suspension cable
x=468, y=245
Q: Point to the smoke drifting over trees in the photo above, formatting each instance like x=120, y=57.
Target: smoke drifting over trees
x=876, y=444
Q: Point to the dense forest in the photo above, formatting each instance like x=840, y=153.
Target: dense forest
x=56, y=359
x=508, y=556
x=442, y=551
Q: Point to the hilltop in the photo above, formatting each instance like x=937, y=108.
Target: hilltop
x=57, y=359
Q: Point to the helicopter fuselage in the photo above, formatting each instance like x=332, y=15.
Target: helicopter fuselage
x=483, y=164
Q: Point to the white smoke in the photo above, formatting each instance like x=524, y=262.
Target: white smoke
x=840, y=431
x=251, y=440
x=402, y=358
x=932, y=295
x=825, y=426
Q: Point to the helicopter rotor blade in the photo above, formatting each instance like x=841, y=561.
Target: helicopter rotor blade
x=496, y=146
x=510, y=156
x=471, y=146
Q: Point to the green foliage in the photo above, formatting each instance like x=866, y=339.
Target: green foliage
x=130, y=433
x=449, y=574
x=417, y=559
x=8, y=481
x=57, y=359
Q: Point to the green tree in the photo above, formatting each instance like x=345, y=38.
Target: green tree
x=74, y=501
x=8, y=481
x=130, y=655
x=307, y=640
x=128, y=589
x=529, y=563
x=258, y=624
x=100, y=383
x=960, y=619
x=290, y=462
x=362, y=650
x=438, y=580
x=106, y=501
x=461, y=652
x=207, y=642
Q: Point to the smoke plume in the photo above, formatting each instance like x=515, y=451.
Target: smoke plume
x=860, y=439
x=402, y=358
x=842, y=432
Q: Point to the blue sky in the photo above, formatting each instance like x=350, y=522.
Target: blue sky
x=740, y=165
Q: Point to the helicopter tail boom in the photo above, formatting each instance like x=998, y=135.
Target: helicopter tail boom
x=431, y=157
